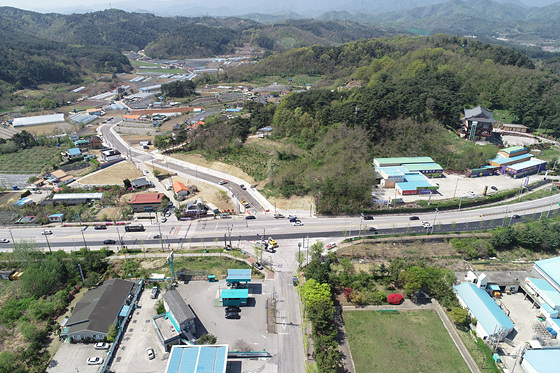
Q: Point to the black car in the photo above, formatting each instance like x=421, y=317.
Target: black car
x=258, y=266
x=109, y=242
x=292, y=218
x=250, y=217
x=233, y=315
x=231, y=309
x=368, y=217
x=243, y=187
x=100, y=226
x=414, y=218
x=515, y=216
x=493, y=187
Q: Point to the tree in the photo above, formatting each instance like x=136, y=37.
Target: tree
x=127, y=183
x=41, y=279
x=112, y=333
x=178, y=88
x=300, y=258
x=207, y=339
x=459, y=315
x=26, y=252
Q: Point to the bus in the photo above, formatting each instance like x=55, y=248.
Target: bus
x=134, y=228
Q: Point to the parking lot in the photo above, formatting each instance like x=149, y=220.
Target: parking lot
x=452, y=185
x=131, y=355
x=73, y=358
x=203, y=298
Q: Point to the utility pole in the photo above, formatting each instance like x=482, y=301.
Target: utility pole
x=84, y=238
x=13, y=241
x=435, y=216
x=46, y=238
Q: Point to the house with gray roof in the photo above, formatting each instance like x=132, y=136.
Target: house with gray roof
x=98, y=310
x=181, y=313
x=478, y=123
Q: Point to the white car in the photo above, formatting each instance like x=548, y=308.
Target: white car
x=94, y=361
x=151, y=354
x=222, y=182
x=4, y=240
x=101, y=346
x=46, y=232
x=426, y=225
x=298, y=223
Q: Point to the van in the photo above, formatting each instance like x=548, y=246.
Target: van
x=154, y=292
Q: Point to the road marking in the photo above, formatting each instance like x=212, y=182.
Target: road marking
x=263, y=336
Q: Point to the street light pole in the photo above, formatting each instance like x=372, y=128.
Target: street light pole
x=13, y=241
x=435, y=216
x=84, y=238
x=456, y=185
x=299, y=254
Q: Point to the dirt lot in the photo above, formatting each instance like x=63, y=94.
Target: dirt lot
x=218, y=166
x=293, y=203
x=113, y=175
x=438, y=254
x=49, y=129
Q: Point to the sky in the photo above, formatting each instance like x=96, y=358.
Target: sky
x=46, y=4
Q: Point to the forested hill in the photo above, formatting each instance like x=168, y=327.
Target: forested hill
x=29, y=60
x=171, y=37
x=471, y=17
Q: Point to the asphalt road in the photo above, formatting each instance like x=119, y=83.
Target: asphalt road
x=173, y=165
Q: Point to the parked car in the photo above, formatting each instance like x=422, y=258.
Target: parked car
x=515, y=216
x=367, y=217
x=164, y=220
x=46, y=232
x=168, y=213
x=372, y=229
x=101, y=346
x=250, y=217
x=100, y=226
x=222, y=182
x=109, y=242
x=4, y=240
x=233, y=309
x=258, y=266
x=243, y=187
x=233, y=315
x=298, y=223
x=94, y=361
x=414, y=218
x=150, y=352
x=493, y=187
x=294, y=281
x=154, y=292
x=38, y=192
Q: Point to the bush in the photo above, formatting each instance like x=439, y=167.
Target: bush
x=112, y=333
x=207, y=339
x=160, y=308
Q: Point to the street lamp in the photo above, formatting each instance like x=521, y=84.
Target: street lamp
x=84, y=238
x=299, y=253
x=435, y=216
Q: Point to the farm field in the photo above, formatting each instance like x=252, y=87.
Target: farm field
x=413, y=341
x=113, y=175
x=30, y=161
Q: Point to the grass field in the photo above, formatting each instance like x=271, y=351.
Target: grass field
x=32, y=160
x=414, y=341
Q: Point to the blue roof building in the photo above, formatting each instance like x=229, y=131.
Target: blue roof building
x=541, y=361
x=492, y=321
x=549, y=269
x=234, y=297
x=238, y=275
x=197, y=359
x=545, y=292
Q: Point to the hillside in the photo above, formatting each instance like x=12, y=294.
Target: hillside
x=170, y=37
x=407, y=99
x=472, y=17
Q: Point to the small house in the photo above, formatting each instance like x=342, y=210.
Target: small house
x=95, y=142
x=264, y=132
x=74, y=153
x=73, y=136
x=141, y=182
x=180, y=189
x=55, y=218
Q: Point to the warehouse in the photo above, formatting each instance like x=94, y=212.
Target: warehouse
x=426, y=169
x=198, y=359
x=75, y=198
x=549, y=269
x=415, y=183
x=399, y=161
x=515, y=128
x=541, y=360
x=504, y=161
x=521, y=169
x=492, y=323
x=234, y=297
x=38, y=120
x=545, y=295
x=513, y=151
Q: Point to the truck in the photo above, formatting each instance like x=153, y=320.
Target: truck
x=134, y=228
